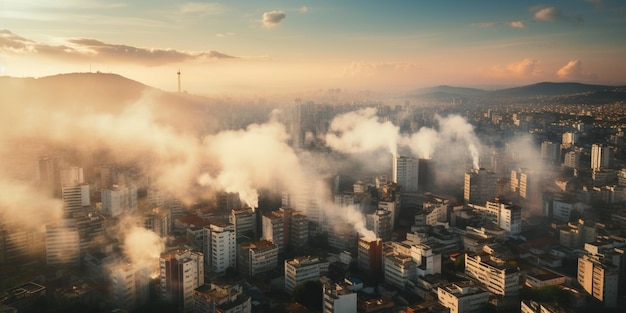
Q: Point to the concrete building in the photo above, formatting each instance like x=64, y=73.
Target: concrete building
x=257, y=257
x=510, y=218
x=244, y=220
x=227, y=201
x=338, y=298
x=130, y=286
x=479, y=186
x=569, y=139
x=75, y=198
x=71, y=176
x=405, y=172
x=497, y=276
x=274, y=229
x=221, y=297
x=599, y=278
x=220, y=247
x=370, y=256
x=572, y=159
x=298, y=230
x=463, y=297
x=600, y=156
x=181, y=272
x=426, y=259
x=380, y=223
x=159, y=221
x=341, y=235
x=551, y=152
x=301, y=269
x=119, y=200
x=62, y=244
x=399, y=269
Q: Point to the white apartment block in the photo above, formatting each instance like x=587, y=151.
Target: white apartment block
x=118, y=200
x=303, y=269
x=497, y=276
x=463, y=297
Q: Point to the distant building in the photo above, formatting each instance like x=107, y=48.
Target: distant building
x=118, y=200
x=479, y=186
x=572, y=159
x=405, y=172
x=220, y=247
x=274, y=229
x=370, y=256
x=257, y=257
x=463, y=297
x=244, y=220
x=130, y=287
x=341, y=235
x=71, y=176
x=499, y=277
x=301, y=269
x=380, y=223
x=600, y=156
x=62, y=244
x=75, y=198
x=221, y=297
x=180, y=273
x=159, y=221
x=551, y=152
x=227, y=201
x=338, y=298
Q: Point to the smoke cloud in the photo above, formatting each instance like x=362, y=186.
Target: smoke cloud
x=25, y=205
x=142, y=247
x=362, y=131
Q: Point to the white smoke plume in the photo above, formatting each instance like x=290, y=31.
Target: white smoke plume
x=362, y=131
x=142, y=247
x=25, y=205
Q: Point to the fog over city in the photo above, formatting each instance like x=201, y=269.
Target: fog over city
x=327, y=156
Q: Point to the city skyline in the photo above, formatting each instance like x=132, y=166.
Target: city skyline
x=279, y=46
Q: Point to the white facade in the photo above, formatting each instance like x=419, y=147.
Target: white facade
x=75, y=197
x=462, y=297
x=180, y=273
x=303, y=269
x=511, y=219
x=274, y=229
x=599, y=279
x=244, y=220
x=62, y=244
x=220, y=248
x=399, y=269
x=428, y=262
x=380, y=223
x=499, y=278
x=118, y=200
x=338, y=298
x=600, y=156
x=405, y=173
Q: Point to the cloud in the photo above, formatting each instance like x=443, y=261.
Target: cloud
x=273, y=18
x=201, y=8
x=514, y=24
x=552, y=14
x=573, y=70
x=304, y=9
x=524, y=68
x=95, y=49
x=517, y=24
x=369, y=69
x=222, y=35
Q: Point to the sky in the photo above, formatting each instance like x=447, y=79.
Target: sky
x=243, y=47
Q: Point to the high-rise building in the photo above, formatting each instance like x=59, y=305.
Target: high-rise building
x=572, y=159
x=75, y=198
x=550, y=152
x=118, y=200
x=399, y=268
x=341, y=235
x=497, y=276
x=48, y=174
x=274, y=229
x=257, y=257
x=600, y=156
x=480, y=185
x=71, y=176
x=220, y=247
x=159, y=221
x=600, y=269
x=62, y=244
x=301, y=269
x=298, y=230
x=244, y=220
x=406, y=173
x=227, y=201
x=130, y=286
x=370, y=256
x=569, y=139
x=463, y=297
x=380, y=223
x=222, y=297
x=181, y=272
x=338, y=298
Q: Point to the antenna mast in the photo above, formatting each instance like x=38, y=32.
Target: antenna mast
x=178, y=80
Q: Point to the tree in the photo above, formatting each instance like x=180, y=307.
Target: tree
x=309, y=294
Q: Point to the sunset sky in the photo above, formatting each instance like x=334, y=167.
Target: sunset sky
x=278, y=46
